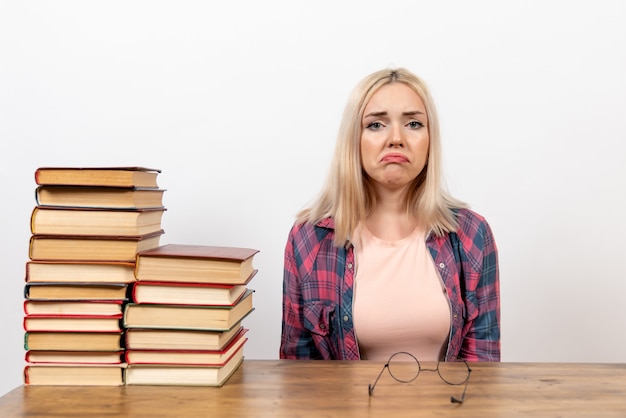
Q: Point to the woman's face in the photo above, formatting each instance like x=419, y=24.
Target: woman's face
x=394, y=138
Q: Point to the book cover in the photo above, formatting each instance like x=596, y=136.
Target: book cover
x=217, y=317
x=79, y=271
x=90, y=248
x=99, y=196
x=97, y=176
x=178, y=339
x=195, y=263
x=187, y=357
x=57, y=220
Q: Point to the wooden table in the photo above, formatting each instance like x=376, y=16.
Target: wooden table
x=287, y=388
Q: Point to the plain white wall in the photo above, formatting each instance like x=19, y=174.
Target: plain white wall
x=239, y=102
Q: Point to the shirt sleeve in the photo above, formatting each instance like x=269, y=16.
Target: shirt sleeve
x=482, y=341
x=296, y=340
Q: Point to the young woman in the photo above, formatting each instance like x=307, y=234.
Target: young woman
x=385, y=260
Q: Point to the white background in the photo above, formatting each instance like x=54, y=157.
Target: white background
x=239, y=103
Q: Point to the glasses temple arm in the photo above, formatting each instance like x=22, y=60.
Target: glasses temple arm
x=371, y=386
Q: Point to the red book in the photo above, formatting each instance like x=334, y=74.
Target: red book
x=73, y=357
x=188, y=357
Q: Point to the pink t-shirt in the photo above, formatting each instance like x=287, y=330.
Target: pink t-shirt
x=400, y=302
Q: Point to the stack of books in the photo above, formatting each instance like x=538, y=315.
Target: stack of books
x=87, y=227
x=184, y=321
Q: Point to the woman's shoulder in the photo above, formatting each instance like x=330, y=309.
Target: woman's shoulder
x=312, y=231
x=471, y=223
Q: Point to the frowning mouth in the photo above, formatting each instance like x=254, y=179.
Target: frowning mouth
x=395, y=158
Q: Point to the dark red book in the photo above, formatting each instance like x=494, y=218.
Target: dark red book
x=195, y=263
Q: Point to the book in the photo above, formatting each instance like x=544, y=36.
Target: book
x=72, y=323
x=99, y=197
x=186, y=293
x=183, y=375
x=73, y=341
x=216, y=317
x=97, y=176
x=195, y=263
x=80, y=271
x=188, y=357
x=57, y=220
x=74, y=357
x=179, y=339
x=75, y=291
x=90, y=248
x=74, y=374
x=73, y=307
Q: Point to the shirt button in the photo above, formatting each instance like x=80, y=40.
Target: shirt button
x=441, y=265
x=322, y=326
x=349, y=265
x=345, y=318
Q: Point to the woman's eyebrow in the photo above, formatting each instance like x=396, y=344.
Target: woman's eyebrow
x=385, y=113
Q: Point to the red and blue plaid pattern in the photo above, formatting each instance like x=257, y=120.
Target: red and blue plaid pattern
x=319, y=281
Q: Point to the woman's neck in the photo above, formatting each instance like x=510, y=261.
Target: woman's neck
x=389, y=220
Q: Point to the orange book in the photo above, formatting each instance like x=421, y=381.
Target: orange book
x=69, y=271
x=183, y=375
x=179, y=293
x=57, y=220
x=97, y=176
x=179, y=339
x=72, y=323
x=195, y=263
x=75, y=291
x=73, y=341
x=91, y=248
x=215, y=317
x=99, y=197
x=73, y=307
x=74, y=374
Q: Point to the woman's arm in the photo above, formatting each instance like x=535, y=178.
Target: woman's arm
x=482, y=341
x=296, y=340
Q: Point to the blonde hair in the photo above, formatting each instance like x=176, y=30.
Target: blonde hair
x=348, y=196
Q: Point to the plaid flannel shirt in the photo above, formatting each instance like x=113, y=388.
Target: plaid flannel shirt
x=319, y=283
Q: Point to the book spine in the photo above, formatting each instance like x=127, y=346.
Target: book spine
x=26, y=377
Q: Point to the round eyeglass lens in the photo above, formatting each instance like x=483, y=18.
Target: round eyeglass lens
x=404, y=367
x=453, y=372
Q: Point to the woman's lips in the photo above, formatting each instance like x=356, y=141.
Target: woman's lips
x=395, y=158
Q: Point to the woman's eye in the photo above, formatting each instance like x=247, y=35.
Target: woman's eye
x=375, y=126
x=414, y=124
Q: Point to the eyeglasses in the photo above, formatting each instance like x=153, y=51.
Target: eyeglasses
x=405, y=367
